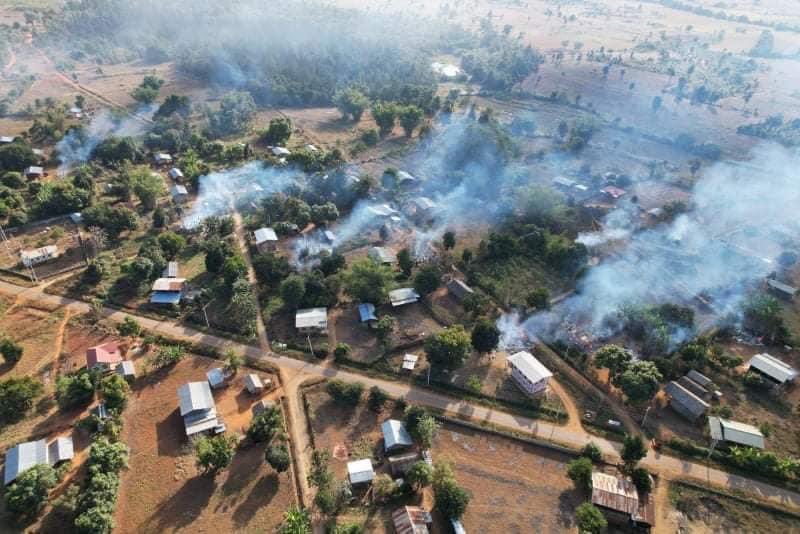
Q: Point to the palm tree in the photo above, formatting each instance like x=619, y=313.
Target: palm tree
x=296, y=521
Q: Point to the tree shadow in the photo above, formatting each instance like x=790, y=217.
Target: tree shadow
x=568, y=500
x=260, y=495
x=184, y=507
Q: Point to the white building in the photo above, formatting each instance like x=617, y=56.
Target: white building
x=22, y=457
x=360, y=471
x=772, y=368
x=735, y=432
x=38, y=255
x=528, y=372
x=401, y=297
x=311, y=320
x=198, y=409
x=266, y=239
x=176, y=174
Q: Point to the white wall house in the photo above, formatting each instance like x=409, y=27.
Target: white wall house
x=528, y=372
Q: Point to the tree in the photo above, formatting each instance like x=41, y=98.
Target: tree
x=448, y=348
x=384, y=488
x=410, y=118
x=633, y=449
x=450, y=499
x=174, y=104
x=233, y=361
x=17, y=396
x=368, y=281
x=114, y=220
x=74, y=390
x=147, y=91
x=233, y=269
x=425, y=430
x=579, y=471
x=214, y=453
x=139, y=271
x=234, y=116
x=762, y=316
x=385, y=115
x=217, y=252
x=292, y=291
x=427, y=280
x=147, y=186
x=640, y=381
x=278, y=132
x=28, y=493
x=266, y=425
x=590, y=519
x=377, y=398
x=612, y=357
x=11, y=350
x=538, y=299
x=16, y=156
x=172, y=244
x=351, y=102
x=242, y=308
x=129, y=327
x=384, y=328
x=277, y=456
x=485, y=336
x=344, y=392
x=592, y=452
x=296, y=521
x=641, y=479
x=114, y=390
x=419, y=475
x=405, y=261
x=449, y=240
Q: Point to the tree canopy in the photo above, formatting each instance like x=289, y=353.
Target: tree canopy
x=448, y=348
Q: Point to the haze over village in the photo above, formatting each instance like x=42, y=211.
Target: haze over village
x=446, y=267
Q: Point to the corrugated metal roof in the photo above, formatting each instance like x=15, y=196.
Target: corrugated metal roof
x=701, y=379
x=171, y=270
x=382, y=255
x=24, y=456
x=735, y=432
x=60, y=450
x=459, y=288
x=406, y=295
x=165, y=297
x=614, y=493
x=366, y=312
x=253, y=383
x=360, y=471
x=126, y=368
x=195, y=396
x=773, y=368
x=686, y=399
x=411, y=520
x=169, y=284
x=178, y=190
x=264, y=235
x=215, y=377
x=311, y=318
x=783, y=288
x=529, y=366
x=424, y=203
x=395, y=434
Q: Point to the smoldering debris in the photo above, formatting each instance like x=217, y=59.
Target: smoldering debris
x=717, y=252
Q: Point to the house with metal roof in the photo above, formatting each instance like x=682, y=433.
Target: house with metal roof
x=360, y=471
x=401, y=463
x=366, y=313
x=410, y=362
x=311, y=320
x=280, y=152
x=613, y=192
x=179, y=194
x=6, y=139
x=23, y=456
x=60, y=450
x=725, y=431
x=562, y=182
x=423, y=207
x=381, y=210
x=459, y=289
x=772, y=368
x=411, y=520
x=693, y=386
x=162, y=158
x=38, y=255
x=382, y=255
x=253, y=383
x=266, y=239
x=167, y=291
x=216, y=377
x=700, y=379
x=685, y=402
x=198, y=409
x=176, y=174
x=126, y=369
x=328, y=237
x=106, y=356
x=403, y=296
x=34, y=171
x=528, y=372
x=395, y=435
x=617, y=498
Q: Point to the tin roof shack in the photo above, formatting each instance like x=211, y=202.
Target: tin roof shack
x=253, y=384
x=167, y=291
x=126, y=370
x=401, y=297
x=724, y=431
x=774, y=370
x=280, y=152
x=266, y=239
x=685, y=402
x=312, y=321
x=411, y=520
x=382, y=255
x=529, y=373
x=614, y=193
x=216, y=378
x=395, y=436
x=409, y=362
x=106, y=356
x=459, y=289
x=179, y=194
x=366, y=313
x=198, y=409
x=619, y=501
x=33, y=171
x=423, y=209
x=23, y=456
x=176, y=174
x=39, y=255
x=360, y=472
x=162, y=158
x=780, y=289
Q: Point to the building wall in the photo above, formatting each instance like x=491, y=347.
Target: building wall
x=531, y=388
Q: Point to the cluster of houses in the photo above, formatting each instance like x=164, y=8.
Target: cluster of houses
x=690, y=397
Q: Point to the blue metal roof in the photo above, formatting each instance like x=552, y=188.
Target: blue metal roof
x=165, y=297
x=367, y=312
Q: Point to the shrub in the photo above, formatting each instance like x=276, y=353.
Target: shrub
x=277, y=456
x=74, y=390
x=579, y=471
x=265, y=425
x=115, y=390
x=214, y=453
x=633, y=449
x=342, y=351
x=592, y=452
x=11, y=350
x=641, y=479
x=377, y=398
x=167, y=355
x=345, y=393
x=590, y=519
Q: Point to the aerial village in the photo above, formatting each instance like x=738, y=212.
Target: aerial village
x=345, y=268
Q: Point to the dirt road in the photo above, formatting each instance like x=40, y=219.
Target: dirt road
x=667, y=466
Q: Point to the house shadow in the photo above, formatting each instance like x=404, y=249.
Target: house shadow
x=184, y=507
x=169, y=434
x=261, y=495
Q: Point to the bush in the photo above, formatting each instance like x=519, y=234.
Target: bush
x=633, y=449
x=265, y=425
x=345, y=393
x=450, y=499
x=115, y=390
x=592, y=452
x=11, y=350
x=214, y=453
x=167, y=355
x=377, y=398
x=590, y=519
x=641, y=479
x=579, y=471
x=17, y=396
x=277, y=456
x=341, y=352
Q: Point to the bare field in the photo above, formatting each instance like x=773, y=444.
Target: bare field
x=162, y=490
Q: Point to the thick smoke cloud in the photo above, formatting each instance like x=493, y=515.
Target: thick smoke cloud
x=742, y=217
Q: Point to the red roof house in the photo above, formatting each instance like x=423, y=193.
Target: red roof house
x=106, y=355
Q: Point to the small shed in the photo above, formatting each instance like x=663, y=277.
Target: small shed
x=366, y=312
x=38, y=255
x=685, y=402
x=382, y=255
x=360, y=471
x=562, y=182
x=106, y=356
x=266, y=239
x=328, y=237
x=409, y=362
x=617, y=496
x=179, y=193
x=162, y=158
x=772, y=368
x=723, y=430
x=395, y=435
x=216, y=378
x=6, y=139
x=126, y=369
x=176, y=174
x=33, y=171
x=167, y=291
x=411, y=520
x=612, y=192
x=459, y=289
x=60, y=450
x=401, y=297
x=280, y=152
x=311, y=320
x=253, y=383
x=76, y=217
x=782, y=290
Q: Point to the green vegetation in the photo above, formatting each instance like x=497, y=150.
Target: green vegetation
x=590, y=519
x=10, y=350
x=579, y=471
x=75, y=390
x=346, y=393
x=17, y=396
x=214, y=453
x=28, y=493
x=266, y=425
x=448, y=348
x=278, y=457
x=450, y=499
x=97, y=500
